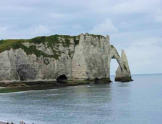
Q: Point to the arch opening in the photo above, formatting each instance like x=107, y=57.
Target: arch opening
x=113, y=67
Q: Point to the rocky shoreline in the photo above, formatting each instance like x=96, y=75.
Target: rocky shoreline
x=6, y=87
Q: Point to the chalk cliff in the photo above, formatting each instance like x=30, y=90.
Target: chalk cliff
x=82, y=57
x=123, y=74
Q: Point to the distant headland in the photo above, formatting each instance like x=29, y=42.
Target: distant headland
x=63, y=59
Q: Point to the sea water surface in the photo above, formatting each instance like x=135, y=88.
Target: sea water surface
x=137, y=102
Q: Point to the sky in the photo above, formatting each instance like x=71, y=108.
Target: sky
x=133, y=25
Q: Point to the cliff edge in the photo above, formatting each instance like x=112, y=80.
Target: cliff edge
x=82, y=57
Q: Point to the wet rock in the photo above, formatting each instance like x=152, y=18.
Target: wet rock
x=102, y=81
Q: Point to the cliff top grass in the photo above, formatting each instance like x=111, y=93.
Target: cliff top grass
x=51, y=41
x=96, y=35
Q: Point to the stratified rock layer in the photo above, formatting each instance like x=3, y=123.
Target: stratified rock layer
x=82, y=57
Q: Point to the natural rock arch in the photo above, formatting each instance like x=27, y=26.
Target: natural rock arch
x=81, y=57
x=123, y=72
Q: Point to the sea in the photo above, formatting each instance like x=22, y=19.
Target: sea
x=136, y=102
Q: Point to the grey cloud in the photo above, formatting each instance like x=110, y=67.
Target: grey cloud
x=105, y=27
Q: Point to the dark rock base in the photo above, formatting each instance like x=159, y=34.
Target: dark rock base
x=43, y=85
x=102, y=81
x=123, y=79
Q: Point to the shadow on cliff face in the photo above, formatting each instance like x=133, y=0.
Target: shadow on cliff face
x=62, y=79
x=26, y=72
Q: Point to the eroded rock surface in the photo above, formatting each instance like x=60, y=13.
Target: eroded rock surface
x=82, y=57
x=123, y=73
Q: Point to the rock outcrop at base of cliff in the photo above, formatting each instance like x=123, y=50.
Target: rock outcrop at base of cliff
x=123, y=73
x=82, y=57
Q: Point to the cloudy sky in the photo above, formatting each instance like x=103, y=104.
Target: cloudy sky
x=133, y=25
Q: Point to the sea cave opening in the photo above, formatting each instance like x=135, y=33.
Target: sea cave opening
x=62, y=79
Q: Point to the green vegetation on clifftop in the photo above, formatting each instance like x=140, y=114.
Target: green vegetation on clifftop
x=52, y=42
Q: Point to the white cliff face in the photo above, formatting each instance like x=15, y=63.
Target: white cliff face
x=123, y=73
x=5, y=66
x=89, y=58
x=17, y=65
